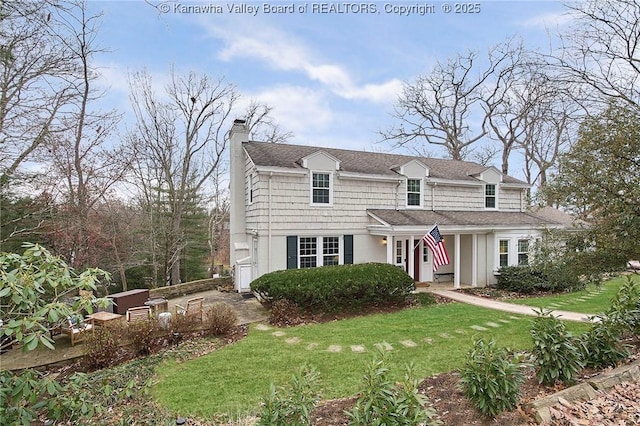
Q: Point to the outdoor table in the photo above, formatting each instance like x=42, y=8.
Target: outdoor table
x=103, y=318
x=158, y=305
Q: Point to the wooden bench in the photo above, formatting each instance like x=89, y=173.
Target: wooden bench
x=438, y=277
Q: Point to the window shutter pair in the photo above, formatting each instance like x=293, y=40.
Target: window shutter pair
x=292, y=251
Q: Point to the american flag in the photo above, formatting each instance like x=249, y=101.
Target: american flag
x=433, y=239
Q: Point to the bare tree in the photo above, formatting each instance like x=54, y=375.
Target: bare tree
x=451, y=105
x=34, y=83
x=262, y=126
x=602, y=51
x=183, y=135
x=85, y=162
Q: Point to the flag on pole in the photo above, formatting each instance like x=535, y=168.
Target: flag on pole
x=433, y=239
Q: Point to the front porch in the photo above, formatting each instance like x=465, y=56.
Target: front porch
x=411, y=253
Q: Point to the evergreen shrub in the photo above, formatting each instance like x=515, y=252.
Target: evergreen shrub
x=337, y=288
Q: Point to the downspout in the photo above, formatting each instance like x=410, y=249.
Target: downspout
x=398, y=194
x=433, y=197
x=269, y=223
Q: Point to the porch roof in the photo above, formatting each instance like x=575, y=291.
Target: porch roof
x=424, y=218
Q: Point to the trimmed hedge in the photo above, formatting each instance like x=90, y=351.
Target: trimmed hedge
x=528, y=280
x=336, y=288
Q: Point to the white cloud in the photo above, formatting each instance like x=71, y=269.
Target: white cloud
x=283, y=52
x=548, y=20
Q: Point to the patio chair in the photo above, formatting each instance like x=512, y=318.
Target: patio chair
x=192, y=309
x=139, y=313
x=77, y=328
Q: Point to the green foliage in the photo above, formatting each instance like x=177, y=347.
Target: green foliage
x=37, y=292
x=599, y=180
x=625, y=306
x=529, y=279
x=144, y=336
x=557, y=352
x=220, y=319
x=293, y=404
x=601, y=345
x=29, y=395
x=426, y=299
x=383, y=402
x=491, y=378
x=336, y=288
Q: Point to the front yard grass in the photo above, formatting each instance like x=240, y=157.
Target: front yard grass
x=233, y=379
x=592, y=300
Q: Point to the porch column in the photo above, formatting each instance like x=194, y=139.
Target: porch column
x=474, y=260
x=456, y=262
x=390, y=245
x=411, y=258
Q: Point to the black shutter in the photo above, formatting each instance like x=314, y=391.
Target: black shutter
x=348, y=249
x=292, y=252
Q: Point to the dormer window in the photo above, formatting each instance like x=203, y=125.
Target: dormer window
x=414, y=192
x=321, y=193
x=490, y=196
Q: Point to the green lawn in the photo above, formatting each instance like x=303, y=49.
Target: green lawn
x=593, y=300
x=233, y=379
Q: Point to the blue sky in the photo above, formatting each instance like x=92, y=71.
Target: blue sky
x=331, y=78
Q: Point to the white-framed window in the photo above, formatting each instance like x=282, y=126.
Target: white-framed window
x=425, y=253
x=490, y=196
x=399, y=252
x=523, y=252
x=503, y=253
x=321, y=189
x=414, y=192
x=308, y=252
x=319, y=251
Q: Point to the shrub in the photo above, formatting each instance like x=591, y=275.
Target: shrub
x=220, y=319
x=336, y=288
x=292, y=404
x=383, y=402
x=102, y=348
x=285, y=313
x=557, y=352
x=625, y=306
x=528, y=279
x=144, y=336
x=491, y=378
x=602, y=344
x=426, y=299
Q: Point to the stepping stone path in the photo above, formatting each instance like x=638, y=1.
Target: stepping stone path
x=492, y=324
x=428, y=340
x=279, y=333
x=460, y=331
x=334, y=348
x=504, y=321
x=408, y=343
x=262, y=327
x=358, y=349
x=445, y=336
x=384, y=346
x=479, y=328
x=312, y=346
x=293, y=340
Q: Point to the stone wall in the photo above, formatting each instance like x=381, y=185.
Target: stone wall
x=190, y=287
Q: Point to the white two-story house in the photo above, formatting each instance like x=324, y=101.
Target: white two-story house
x=298, y=206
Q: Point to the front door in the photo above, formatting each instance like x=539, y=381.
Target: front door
x=417, y=260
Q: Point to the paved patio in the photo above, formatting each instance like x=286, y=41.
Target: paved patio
x=248, y=310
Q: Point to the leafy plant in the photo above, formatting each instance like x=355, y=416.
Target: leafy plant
x=426, y=299
x=491, y=378
x=102, y=347
x=382, y=402
x=602, y=343
x=292, y=405
x=557, y=352
x=144, y=336
x=220, y=319
x=336, y=288
x=625, y=306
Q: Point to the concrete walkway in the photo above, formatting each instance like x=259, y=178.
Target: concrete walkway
x=504, y=306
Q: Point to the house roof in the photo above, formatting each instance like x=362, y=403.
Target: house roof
x=289, y=156
x=426, y=218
